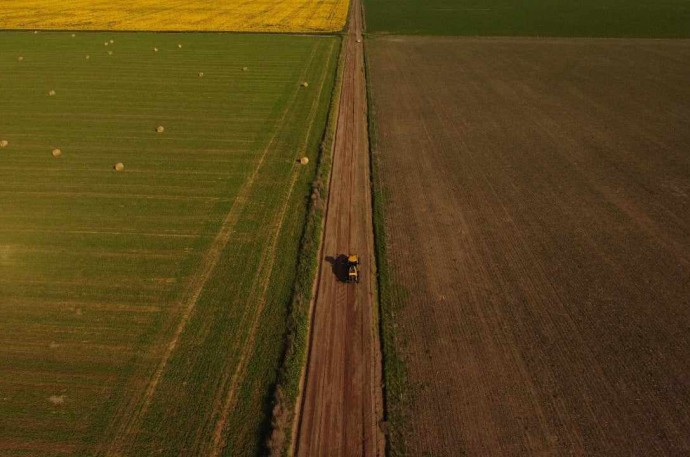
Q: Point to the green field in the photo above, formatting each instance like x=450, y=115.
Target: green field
x=595, y=18
x=143, y=312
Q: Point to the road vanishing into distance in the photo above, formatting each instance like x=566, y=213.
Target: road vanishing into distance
x=342, y=403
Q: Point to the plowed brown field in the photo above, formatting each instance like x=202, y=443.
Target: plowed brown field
x=537, y=221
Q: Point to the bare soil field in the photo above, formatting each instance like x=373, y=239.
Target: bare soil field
x=534, y=195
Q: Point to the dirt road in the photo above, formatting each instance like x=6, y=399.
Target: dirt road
x=342, y=403
x=542, y=187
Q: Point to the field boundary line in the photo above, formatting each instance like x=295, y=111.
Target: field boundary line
x=317, y=279
x=245, y=315
x=285, y=405
x=394, y=378
x=377, y=231
x=219, y=443
x=197, y=283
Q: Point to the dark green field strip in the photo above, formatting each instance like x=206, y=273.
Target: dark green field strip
x=139, y=223
x=65, y=291
x=593, y=18
x=122, y=314
x=144, y=208
x=102, y=240
x=177, y=130
x=142, y=180
x=94, y=264
x=76, y=331
x=102, y=164
x=62, y=265
x=50, y=350
x=553, y=303
x=59, y=354
x=87, y=195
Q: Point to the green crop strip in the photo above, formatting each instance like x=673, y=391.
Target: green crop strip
x=558, y=18
x=391, y=298
x=299, y=318
x=98, y=266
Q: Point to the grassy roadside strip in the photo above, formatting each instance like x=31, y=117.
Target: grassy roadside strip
x=390, y=296
x=291, y=376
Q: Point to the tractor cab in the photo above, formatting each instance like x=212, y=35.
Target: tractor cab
x=353, y=268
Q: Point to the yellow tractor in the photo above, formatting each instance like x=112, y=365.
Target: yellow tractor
x=353, y=268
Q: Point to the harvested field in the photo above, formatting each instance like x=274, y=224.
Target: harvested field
x=176, y=15
x=593, y=18
x=536, y=285
x=143, y=312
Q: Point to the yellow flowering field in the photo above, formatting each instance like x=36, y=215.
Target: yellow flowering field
x=180, y=15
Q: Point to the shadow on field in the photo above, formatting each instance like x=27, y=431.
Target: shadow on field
x=339, y=266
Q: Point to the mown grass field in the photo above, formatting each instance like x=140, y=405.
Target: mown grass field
x=143, y=312
x=595, y=18
x=176, y=15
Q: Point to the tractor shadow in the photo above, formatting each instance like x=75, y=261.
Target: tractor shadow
x=339, y=266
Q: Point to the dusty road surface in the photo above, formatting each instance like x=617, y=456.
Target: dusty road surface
x=342, y=404
x=542, y=190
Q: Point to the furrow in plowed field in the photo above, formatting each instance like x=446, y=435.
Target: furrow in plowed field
x=133, y=304
x=535, y=197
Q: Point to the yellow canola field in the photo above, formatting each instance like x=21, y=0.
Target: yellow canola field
x=176, y=15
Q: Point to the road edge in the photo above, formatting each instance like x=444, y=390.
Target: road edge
x=393, y=370
x=290, y=386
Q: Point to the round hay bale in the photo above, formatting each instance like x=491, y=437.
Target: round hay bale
x=112, y=41
x=35, y=32
x=160, y=129
x=73, y=35
x=305, y=84
x=110, y=53
x=155, y=49
x=20, y=58
x=56, y=153
x=88, y=57
x=179, y=46
x=51, y=93
x=245, y=68
x=201, y=74
x=4, y=143
x=304, y=160
x=106, y=43
x=358, y=40
x=57, y=400
x=119, y=166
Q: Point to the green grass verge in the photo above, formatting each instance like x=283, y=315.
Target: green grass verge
x=585, y=18
x=95, y=265
x=391, y=297
x=299, y=319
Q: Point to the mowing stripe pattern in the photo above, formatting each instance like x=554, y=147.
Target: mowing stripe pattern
x=130, y=296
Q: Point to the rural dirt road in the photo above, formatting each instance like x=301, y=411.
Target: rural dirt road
x=342, y=401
